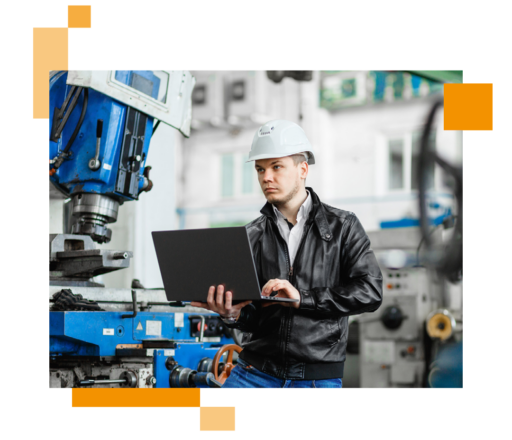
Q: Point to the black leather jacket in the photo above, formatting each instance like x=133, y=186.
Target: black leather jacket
x=337, y=275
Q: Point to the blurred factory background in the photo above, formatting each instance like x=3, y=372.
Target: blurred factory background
x=366, y=127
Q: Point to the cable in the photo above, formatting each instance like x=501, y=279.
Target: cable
x=80, y=121
x=64, y=153
x=61, y=114
x=426, y=157
x=450, y=265
x=422, y=241
x=453, y=217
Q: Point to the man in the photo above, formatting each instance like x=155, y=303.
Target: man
x=306, y=250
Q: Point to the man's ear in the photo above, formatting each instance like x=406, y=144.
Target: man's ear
x=304, y=169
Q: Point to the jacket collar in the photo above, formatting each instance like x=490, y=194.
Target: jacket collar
x=304, y=210
x=317, y=215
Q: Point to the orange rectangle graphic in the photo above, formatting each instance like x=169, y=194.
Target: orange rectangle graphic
x=468, y=106
x=218, y=419
x=136, y=397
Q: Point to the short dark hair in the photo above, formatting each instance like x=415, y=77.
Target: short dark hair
x=299, y=158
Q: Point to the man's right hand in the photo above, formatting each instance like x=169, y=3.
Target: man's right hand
x=221, y=303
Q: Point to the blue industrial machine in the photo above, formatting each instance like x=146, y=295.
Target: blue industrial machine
x=101, y=124
x=139, y=349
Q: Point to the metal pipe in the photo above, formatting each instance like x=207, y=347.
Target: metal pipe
x=134, y=303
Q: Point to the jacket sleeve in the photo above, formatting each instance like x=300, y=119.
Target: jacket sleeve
x=248, y=319
x=360, y=288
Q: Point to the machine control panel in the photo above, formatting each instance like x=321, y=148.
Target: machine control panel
x=396, y=279
x=213, y=327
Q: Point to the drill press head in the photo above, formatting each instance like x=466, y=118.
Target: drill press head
x=92, y=213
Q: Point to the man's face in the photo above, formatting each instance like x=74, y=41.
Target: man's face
x=280, y=179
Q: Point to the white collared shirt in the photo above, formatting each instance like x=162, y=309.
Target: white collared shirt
x=293, y=236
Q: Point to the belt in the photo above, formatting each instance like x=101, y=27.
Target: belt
x=299, y=370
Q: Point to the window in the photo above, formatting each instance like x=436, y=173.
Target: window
x=396, y=164
x=248, y=173
x=227, y=174
x=238, y=90
x=402, y=160
x=238, y=177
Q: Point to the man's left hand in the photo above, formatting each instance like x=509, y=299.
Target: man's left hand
x=284, y=290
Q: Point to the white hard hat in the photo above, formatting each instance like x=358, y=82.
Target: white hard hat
x=280, y=138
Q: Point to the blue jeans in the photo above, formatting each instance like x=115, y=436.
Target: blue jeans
x=246, y=376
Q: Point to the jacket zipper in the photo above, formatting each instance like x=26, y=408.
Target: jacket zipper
x=286, y=251
x=286, y=254
x=290, y=273
x=301, y=245
x=290, y=279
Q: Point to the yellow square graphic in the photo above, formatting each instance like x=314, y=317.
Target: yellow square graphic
x=468, y=106
x=217, y=419
x=79, y=16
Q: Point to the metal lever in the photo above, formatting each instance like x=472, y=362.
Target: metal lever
x=120, y=256
x=95, y=164
x=212, y=382
x=127, y=378
x=134, y=301
x=203, y=322
x=206, y=379
x=103, y=381
x=148, y=183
